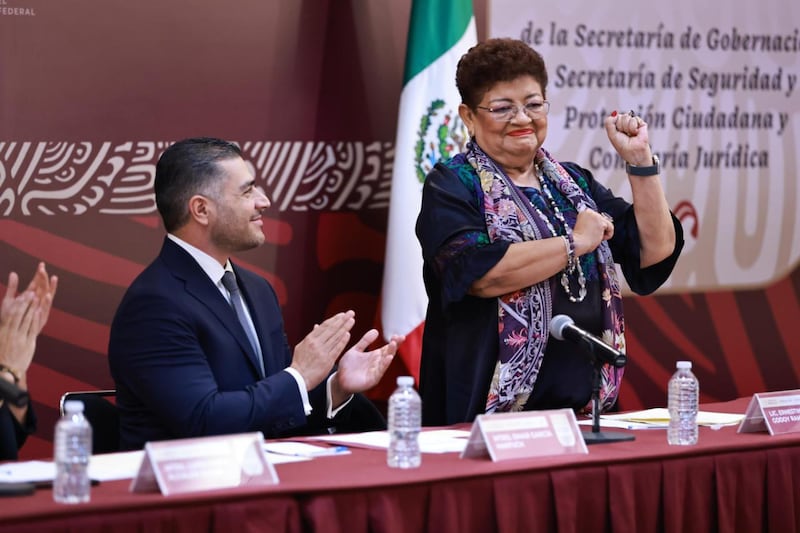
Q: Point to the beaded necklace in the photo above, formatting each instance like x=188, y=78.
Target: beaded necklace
x=574, y=264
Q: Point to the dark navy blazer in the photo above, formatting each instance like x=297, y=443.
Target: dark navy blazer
x=183, y=366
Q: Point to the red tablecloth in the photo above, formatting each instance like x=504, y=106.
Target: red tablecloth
x=728, y=482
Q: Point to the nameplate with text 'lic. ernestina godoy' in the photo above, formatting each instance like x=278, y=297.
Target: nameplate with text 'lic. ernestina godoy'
x=777, y=412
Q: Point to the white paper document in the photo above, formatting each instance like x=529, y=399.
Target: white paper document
x=26, y=471
x=303, y=450
x=433, y=441
x=659, y=418
x=102, y=467
x=622, y=424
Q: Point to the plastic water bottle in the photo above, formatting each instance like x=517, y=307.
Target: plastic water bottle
x=73, y=448
x=405, y=419
x=683, y=400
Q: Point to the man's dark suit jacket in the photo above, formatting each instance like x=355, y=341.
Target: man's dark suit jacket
x=183, y=366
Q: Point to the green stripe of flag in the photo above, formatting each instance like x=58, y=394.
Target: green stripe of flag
x=436, y=25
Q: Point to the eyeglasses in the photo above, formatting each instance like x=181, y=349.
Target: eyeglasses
x=505, y=113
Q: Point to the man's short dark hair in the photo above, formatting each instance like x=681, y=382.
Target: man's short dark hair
x=186, y=168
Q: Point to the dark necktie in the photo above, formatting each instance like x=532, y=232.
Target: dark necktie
x=229, y=281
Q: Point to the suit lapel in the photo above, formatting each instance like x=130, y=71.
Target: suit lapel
x=199, y=286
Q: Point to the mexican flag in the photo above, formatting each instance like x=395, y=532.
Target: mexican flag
x=428, y=129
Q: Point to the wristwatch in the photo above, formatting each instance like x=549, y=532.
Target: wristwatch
x=651, y=170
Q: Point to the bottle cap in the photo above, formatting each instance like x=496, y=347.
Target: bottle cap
x=405, y=381
x=684, y=365
x=73, y=406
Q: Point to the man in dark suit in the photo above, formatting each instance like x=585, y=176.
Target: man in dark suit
x=192, y=356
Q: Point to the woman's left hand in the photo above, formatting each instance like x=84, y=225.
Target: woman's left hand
x=591, y=228
x=628, y=135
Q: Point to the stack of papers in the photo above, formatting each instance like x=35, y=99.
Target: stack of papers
x=658, y=418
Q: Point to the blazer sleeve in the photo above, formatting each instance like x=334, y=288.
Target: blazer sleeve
x=180, y=373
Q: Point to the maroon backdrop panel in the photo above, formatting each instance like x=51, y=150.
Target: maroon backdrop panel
x=92, y=91
x=740, y=342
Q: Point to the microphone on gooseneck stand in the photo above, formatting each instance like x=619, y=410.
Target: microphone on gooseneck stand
x=563, y=327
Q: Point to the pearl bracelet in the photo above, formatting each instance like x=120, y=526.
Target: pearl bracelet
x=569, y=246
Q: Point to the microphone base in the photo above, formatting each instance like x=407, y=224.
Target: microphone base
x=603, y=437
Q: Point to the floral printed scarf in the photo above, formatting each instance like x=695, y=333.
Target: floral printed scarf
x=524, y=315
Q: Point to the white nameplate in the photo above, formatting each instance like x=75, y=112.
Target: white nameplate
x=205, y=463
x=776, y=412
x=526, y=434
